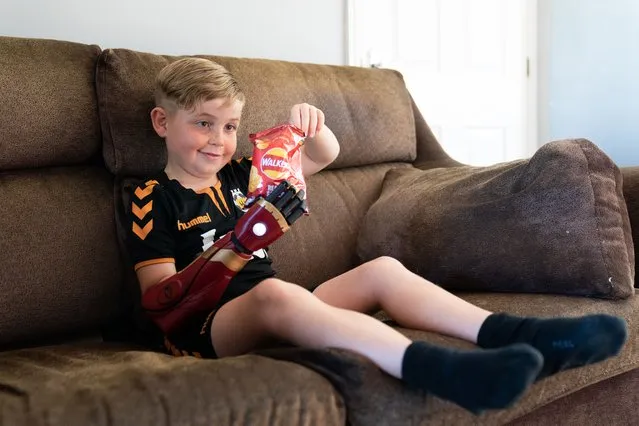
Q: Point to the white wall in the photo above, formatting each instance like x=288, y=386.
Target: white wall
x=589, y=74
x=294, y=30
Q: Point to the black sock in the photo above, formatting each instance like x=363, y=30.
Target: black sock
x=476, y=379
x=564, y=342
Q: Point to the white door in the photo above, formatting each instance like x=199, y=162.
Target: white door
x=466, y=63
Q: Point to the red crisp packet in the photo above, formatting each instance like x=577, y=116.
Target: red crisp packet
x=276, y=157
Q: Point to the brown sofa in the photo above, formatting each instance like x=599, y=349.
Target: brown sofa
x=74, y=130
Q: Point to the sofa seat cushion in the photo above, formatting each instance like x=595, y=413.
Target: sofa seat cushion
x=441, y=412
x=555, y=223
x=603, y=404
x=99, y=384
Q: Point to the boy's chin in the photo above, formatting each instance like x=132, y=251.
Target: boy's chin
x=208, y=172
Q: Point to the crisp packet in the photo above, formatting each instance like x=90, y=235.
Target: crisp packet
x=276, y=157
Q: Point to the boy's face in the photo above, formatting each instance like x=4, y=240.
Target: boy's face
x=201, y=141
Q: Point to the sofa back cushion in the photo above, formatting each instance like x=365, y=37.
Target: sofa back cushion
x=554, y=223
x=61, y=268
x=48, y=110
x=369, y=110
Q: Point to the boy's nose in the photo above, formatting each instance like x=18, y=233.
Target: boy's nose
x=215, y=138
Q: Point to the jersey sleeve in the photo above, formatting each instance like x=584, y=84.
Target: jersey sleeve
x=242, y=170
x=150, y=239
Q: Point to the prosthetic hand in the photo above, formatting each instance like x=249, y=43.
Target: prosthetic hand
x=199, y=286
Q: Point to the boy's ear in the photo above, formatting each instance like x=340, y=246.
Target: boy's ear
x=159, y=118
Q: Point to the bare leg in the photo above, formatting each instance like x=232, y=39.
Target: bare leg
x=276, y=309
x=408, y=298
x=417, y=303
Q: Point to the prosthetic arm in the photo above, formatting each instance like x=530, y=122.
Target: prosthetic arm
x=199, y=286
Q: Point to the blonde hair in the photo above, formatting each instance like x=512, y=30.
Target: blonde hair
x=189, y=81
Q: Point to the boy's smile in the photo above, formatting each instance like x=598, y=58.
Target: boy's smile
x=211, y=156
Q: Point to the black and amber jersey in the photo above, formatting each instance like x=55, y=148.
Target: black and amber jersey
x=171, y=223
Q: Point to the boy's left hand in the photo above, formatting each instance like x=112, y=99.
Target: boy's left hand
x=308, y=118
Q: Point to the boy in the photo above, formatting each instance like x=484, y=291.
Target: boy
x=202, y=191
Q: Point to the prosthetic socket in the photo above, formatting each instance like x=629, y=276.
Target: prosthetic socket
x=200, y=285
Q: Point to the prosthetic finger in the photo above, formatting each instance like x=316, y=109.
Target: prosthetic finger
x=295, y=202
x=285, y=198
x=297, y=213
x=278, y=192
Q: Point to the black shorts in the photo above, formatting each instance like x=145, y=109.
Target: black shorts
x=194, y=338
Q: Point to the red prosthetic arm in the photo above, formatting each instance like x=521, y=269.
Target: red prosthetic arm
x=199, y=286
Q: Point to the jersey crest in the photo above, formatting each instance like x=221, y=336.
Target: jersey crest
x=239, y=199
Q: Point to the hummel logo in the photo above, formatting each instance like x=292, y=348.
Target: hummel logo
x=197, y=221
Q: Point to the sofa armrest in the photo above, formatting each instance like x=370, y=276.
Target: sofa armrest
x=631, y=195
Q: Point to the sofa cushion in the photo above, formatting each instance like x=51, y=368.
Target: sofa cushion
x=60, y=266
x=96, y=384
x=568, y=382
x=440, y=412
x=556, y=223
x=602, y=404
x=48, y=113
x=368, y=109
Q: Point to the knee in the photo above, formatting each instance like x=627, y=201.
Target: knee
x=276, y=294
x=275, y=302
x=383, y=265
x=380, y=272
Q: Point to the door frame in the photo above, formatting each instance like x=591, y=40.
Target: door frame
x=532, y=82
x=530, y=100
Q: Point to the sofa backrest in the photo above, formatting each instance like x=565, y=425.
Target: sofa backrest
x=368, y=110
x=59, y=262
x=48, y=110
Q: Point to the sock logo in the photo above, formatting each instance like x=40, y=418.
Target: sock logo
x=563, y=344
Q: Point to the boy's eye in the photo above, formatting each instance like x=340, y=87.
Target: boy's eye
x=231, y=127
x=203, y=124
